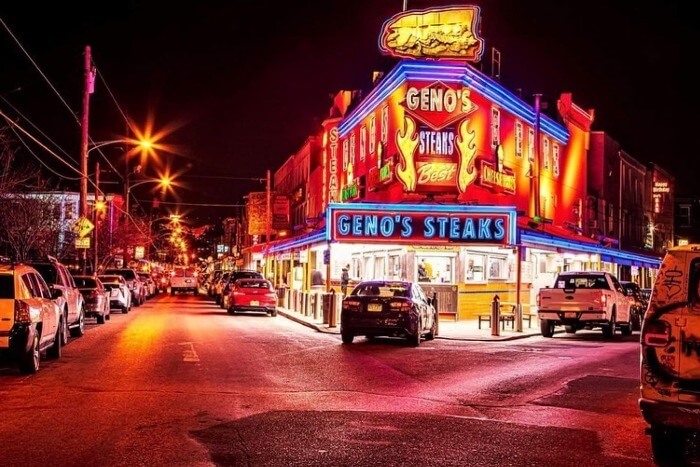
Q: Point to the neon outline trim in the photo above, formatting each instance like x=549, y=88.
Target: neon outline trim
x=466, y=75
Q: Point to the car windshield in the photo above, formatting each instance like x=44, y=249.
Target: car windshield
x=183, y=273
x=47, y=271
x=581, y=282
x=245, y=275
x=85, y=282
x=254, y=284
x=7, y=286
x=382, y=289
x=127, y=274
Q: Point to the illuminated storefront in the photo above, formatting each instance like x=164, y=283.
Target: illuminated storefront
x=443, y=176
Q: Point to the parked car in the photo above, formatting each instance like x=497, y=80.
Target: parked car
x=584, y=299
x=149, y=284
x=670, y=363
x=212, y=280
x=183, y=280
x=388, y=308
x=71, y=302
x=638, y=304
x=252, y=295
x=31, y=320
x=219, y=285
x=95, y=295
x=230, y=278
x=119, y=293
x=133, y=282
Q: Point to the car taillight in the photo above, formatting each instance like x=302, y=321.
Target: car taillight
x=22, y=313
x=538, y=299
x=163, y=280
x=656, y=333
x=351, y=305
x=603, y=300
x=400, y=305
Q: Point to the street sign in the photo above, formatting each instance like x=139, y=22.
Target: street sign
x=83, y=243
x=83, y=226
x=327, y=256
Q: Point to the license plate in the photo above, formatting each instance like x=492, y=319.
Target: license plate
x=187, y=281
x=114, y=293
x=254, y=303
x=374, y=307
x=570, y=315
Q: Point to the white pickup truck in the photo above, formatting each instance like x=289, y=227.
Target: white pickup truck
x=584, y=299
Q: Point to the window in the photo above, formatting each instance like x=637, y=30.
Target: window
x=498, y=267
x=435, y=269
x=531, y=144
x=352, y=149
x=346, y=155
x=495, y=127
x=363, y=143
x=372, y=133
x=545, y=153
x=385, y=124
x=475, y=268
x=7, y=286
x=518, y=138
x=86, y=283
x=48, y=272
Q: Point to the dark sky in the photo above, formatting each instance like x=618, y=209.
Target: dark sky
x=245, y=82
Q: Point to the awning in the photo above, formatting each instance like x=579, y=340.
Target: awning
x=560, y=238
x=316, y=236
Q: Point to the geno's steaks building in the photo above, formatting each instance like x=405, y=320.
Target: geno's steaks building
x=443, y=176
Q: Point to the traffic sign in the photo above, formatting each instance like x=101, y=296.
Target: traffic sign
x=83, y=243
x=83, y=226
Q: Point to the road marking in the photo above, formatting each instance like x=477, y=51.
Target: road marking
x=188, y=353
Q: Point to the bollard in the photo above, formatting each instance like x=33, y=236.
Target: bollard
x=434, y=302
x=495, y=316
x=305, y=303
x=519, y=317
x=326, y=307
x=317, y=306
x=336, y=304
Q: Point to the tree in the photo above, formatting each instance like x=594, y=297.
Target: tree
x=30, y=222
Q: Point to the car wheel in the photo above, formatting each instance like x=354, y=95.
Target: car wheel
x=667, y=445
x=273, y=313
x=637, y=321
x=79, y=330
x=626, y=329
x=414, y=340
x=64, y=328
x=570, y=329
x=172, y=291
x=433, y=329
x=546, y=328
x=610, y=328
x=196, y=292
x=55, y=350
x=125, y=309
x=29, y=361
x=347, y=337
x=101, y=319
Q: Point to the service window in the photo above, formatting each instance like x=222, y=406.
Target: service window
x=476, y=265
x=498, y=267
x=435, y=269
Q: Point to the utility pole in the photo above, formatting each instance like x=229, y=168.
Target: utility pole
x=96, y=214
x=88, y=86
x=268, y=220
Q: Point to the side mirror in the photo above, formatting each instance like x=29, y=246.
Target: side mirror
x=56, y=293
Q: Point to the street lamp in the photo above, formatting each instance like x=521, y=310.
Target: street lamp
x=164, y=183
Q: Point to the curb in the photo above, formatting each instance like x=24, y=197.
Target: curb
x=326, y=330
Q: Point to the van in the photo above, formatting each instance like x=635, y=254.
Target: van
x=670, y=357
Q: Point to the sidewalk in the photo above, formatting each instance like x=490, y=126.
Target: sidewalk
x=463, y=330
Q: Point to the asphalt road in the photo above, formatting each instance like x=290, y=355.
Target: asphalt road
x=179, y=382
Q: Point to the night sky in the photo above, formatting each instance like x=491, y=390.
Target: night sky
x=242, y=84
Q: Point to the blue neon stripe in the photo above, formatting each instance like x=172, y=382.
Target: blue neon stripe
x=313, y=237
x=586, y=248
x=428, y=71
x=455, y=209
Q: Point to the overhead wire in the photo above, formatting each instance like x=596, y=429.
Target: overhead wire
x=114, y=98
x=21, y=140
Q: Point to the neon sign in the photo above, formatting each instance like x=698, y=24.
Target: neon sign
x=420, y=224
x=499, y=178
x=439, y=33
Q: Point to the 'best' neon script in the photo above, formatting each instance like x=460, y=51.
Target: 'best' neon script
x=415, y=228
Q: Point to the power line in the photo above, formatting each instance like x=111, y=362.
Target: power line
x=104, y=81
x=258, y=179
x=206, y=205
x=19, y=44
x=39, y=159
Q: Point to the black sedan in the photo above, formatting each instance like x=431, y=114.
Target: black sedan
x=388, y=308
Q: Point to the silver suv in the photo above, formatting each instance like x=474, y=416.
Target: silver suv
x=133, y=281
x=71, y=302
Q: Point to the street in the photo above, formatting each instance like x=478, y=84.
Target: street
x=179, y=382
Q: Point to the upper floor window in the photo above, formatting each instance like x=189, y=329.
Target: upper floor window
x=346, y=154
x=385, y=124
x=531, y=144
x=372, y=134
x=518, y=138
x=495, y=127
x=555, y=159
x=545, y=153
x=352, y=149
x=363, y=143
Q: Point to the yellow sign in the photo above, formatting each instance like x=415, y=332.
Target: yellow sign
x=447, y=33
x=139, y=252
x=83, y=243
x=83, y=226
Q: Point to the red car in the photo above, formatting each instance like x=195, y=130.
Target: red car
x=252, y=295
